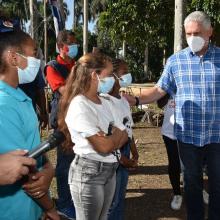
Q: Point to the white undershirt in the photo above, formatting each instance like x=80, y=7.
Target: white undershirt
x=168, y=121
x=84, y=119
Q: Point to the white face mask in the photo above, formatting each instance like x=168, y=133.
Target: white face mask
x=28, y=74
x=196, y=43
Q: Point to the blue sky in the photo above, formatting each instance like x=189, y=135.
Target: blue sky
x=69, y=22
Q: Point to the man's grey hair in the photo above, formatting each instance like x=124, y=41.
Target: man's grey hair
x=200, y=17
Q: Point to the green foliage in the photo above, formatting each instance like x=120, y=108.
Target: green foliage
x=92, y=40
x=138, y=22
x=141, y=22
x=212, y=8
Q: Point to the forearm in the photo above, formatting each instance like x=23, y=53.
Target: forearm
x=151, y=95
x=48, y=169
x=41, y=101
x=134, y=151
x=120, y=139
x=107, y=144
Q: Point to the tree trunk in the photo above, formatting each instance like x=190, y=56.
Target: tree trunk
x=85, y=27
x=33, y=19
x=45, y=32
x=146, y=55
x=146, y=62
x=178, y=32
x=74, y=16
x=124, y=49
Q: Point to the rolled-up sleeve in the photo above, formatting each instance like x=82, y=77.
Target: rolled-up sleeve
x=167, y=81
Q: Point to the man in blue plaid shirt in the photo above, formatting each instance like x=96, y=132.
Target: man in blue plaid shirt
x=192, y=76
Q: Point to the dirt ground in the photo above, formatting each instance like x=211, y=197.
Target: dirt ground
x=149, y=191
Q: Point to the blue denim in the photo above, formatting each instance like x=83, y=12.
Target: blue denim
x=92, y=185
x=116, y=211
x=193, y=162
x=64, y=201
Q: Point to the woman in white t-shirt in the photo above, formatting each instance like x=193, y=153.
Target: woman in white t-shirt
x=122, y=79
x=89, y=122
x=174, y=168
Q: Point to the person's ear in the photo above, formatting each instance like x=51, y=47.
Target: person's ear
x=60, y=47
x=210, y=32
x=94, y=75
x=12, y=58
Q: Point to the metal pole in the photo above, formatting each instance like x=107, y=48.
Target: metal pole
x=85, y=27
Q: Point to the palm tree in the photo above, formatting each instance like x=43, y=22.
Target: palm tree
x=95, y=8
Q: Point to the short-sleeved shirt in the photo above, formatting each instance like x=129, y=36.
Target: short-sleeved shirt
x=84, y=119
x=122, y=109
x=53, y=77
x=30, y=89
x=18, y=130
x=195, y=83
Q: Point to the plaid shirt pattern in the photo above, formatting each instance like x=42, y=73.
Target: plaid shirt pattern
x=195, y=83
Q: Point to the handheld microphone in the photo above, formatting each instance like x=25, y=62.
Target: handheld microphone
x=53, y=141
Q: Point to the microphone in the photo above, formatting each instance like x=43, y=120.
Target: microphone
x=53, y=141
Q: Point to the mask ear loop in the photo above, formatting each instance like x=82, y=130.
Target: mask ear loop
x=21, y=55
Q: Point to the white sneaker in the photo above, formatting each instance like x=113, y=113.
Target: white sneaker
x=205, y=197
x=176, y=202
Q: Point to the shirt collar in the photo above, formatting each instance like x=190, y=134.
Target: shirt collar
x=17, y=93
x=62, y=61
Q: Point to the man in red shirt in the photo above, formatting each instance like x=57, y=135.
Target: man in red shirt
x=56, y=72
x=66, y=43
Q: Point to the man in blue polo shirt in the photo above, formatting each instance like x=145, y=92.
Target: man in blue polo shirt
x=193, y=77
x=19, y=128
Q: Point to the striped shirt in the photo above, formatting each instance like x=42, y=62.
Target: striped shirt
x=195, y=83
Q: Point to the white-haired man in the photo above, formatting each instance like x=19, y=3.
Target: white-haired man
x=192, y=76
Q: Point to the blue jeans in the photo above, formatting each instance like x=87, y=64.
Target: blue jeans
x=62, y=169
x=193, y=161
x=116, y=211
x=92, y=186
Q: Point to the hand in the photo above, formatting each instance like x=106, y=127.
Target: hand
x=14, y=165
x=39, y=184
x=101, y=134
x=51, y=215
x=128, y=163
x=130, y=99
x=135, y=156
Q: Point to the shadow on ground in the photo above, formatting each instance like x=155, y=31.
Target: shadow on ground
x=150, y=170
x=153, y=204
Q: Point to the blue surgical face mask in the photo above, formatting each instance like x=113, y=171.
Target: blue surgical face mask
x=28, y=74
x=125, y=80
x=73, y=51
x=106, y=84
